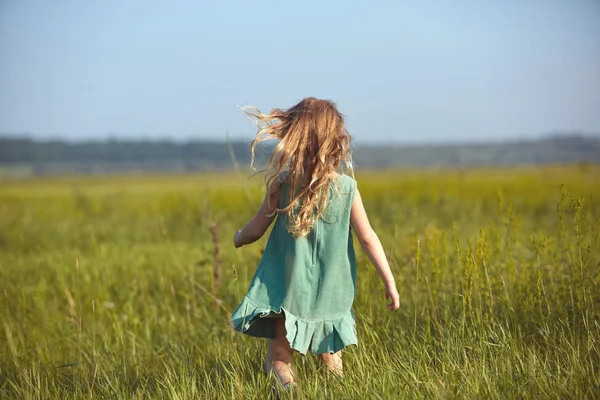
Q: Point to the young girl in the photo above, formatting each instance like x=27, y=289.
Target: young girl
x=302, y=292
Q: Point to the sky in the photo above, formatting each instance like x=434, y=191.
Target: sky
x=400, y=71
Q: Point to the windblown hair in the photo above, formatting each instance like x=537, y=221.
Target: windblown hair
x=313, y=145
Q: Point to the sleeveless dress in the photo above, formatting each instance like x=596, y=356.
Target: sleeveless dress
x=311, y=280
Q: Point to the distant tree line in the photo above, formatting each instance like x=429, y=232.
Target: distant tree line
x=117, y=151
x=560, y=149
x=42, y=157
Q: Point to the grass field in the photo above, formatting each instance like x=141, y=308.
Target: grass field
x=121, y=287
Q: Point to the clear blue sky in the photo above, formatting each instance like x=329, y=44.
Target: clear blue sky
x=407, y=71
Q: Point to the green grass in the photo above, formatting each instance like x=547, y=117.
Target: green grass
x=108, y=288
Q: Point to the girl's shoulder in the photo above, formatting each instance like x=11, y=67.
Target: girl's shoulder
x=345, y=185
x=346, y=180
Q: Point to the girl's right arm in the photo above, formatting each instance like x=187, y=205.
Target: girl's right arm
x=257, y=227
x=372, y=246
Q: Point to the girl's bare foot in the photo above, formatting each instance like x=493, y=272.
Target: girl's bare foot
x=333, y=363
x=280, y=356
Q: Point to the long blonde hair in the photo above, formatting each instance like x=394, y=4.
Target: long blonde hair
x=313, y=145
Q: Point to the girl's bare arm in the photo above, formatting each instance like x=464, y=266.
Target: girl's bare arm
x=258, y=225
x=372, y=246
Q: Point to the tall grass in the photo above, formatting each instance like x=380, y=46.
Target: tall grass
x=121, y=288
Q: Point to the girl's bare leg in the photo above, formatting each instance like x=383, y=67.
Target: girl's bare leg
x=333, y=362
x=280, y=355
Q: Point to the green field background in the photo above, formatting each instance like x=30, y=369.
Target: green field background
x=121, y=287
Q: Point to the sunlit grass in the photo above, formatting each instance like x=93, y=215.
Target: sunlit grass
x=107, y=288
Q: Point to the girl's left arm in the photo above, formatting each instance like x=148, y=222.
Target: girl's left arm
x=257, y=227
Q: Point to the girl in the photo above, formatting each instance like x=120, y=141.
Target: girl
x=302, y=292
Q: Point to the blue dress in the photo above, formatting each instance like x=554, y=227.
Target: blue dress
x=311, y=280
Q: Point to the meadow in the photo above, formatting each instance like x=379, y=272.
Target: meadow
x=121, y=287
